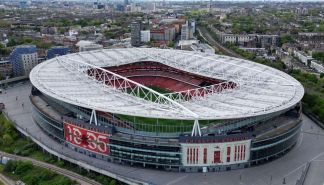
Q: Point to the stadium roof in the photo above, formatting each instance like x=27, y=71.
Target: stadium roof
x=259, y=89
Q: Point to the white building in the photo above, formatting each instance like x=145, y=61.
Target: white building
x=188, y=29
x=186, y=44
x=194, y=45
x=145, y=35
x=303, y=57
x=85, y=45
x=29, y=61
x=202, y=47
x=230, y=38
x=317, y=66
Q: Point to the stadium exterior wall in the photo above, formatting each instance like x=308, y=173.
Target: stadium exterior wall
x=173, y=156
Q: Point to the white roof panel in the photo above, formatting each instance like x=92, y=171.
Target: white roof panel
x=260, y=89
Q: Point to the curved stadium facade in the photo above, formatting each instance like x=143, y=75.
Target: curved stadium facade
x=167, y=109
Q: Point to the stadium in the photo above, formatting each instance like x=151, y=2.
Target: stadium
x=168, y=109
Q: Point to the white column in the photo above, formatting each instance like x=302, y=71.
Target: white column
x=93, y=116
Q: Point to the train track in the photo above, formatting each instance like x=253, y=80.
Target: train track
x=207, y=37
x=74, y=176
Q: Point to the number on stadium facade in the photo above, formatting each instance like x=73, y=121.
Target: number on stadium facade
x=87, y=139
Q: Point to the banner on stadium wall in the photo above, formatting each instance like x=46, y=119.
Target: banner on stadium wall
x=86, y=139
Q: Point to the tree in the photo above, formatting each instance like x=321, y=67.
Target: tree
x=23, y=166
x=7, y=139
x=285, y=39
x=10, y=166
x=113, y=182
x=321, y=75
x=171, y=44
x=318, y=56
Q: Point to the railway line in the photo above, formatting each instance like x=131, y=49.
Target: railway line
x=74, y=176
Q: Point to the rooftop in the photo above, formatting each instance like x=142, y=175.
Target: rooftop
x=259, y=89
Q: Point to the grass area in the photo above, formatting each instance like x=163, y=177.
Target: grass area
x=160, y=124
x=143, y=93
x=160, y=90
x=146, y=124
x=12, y=142
x=33, y=175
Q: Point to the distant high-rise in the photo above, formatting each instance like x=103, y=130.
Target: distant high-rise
x=136, y=33
x=126, y=2
x=188, y=29
x=209, y=6
x=23, y=58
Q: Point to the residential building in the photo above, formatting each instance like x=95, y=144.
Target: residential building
x=136, y=33
x=317, y=66
x=145, y=36
x=5, y=68
x=57, y=51
x=249, y=40
x=169, y=33
x=188, y=30
x=164, y=33
x=86, y=45
x=303, y=57
x=23, y=58
x=90, y=47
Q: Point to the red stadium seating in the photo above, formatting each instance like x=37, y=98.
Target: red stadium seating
x=159, y=75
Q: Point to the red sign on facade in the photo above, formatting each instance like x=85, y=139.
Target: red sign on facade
x=87, y=139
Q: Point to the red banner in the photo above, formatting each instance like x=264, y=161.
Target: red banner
x=87, y=139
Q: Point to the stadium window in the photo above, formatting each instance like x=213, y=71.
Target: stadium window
x=205, y=155
x=228, y=159
x=235, y=153
x=194, y=156
x=187, y=155
x=197, y=152
x=190, y=158
x=241, y=152
x=244, y=151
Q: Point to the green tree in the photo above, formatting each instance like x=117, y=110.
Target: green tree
x=321, y=75
x=23, y=167
x=318, y=56
x=171, y=44
x=10, y=166
x=7, y=140
x=286, y=39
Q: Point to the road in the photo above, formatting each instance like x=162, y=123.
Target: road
x=74, y=176
x=309, y=148
x=207, y=37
